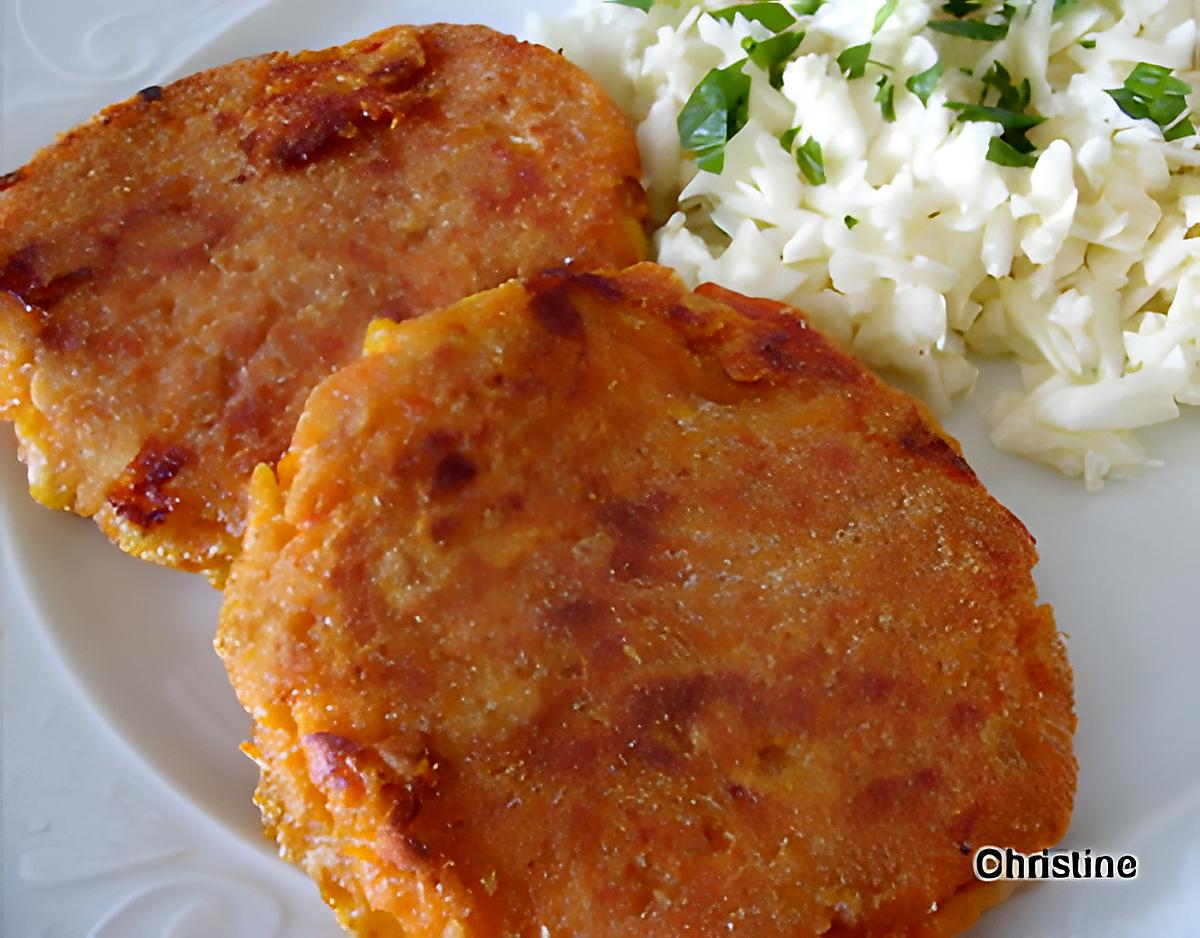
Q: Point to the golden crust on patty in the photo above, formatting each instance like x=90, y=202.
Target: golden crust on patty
x=178, y=273
x=598, y=605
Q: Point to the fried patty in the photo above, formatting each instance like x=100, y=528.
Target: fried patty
x=177, y=274
x=597, y=606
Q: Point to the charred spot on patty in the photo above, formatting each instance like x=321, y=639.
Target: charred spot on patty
x=140, y=495
x=319, y=99
x=21, y=273
x=453, y=471
x=555, y=312
x=551, y=298
x=331, y=759
x=46, y=296
x=917, y=439
x=634, y=528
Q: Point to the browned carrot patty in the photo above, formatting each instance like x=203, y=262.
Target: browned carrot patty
x=593, y=606
x=178, y=273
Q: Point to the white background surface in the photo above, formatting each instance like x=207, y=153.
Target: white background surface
x=126, y=807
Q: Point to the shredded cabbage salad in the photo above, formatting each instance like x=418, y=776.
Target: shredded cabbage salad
x=933, y=183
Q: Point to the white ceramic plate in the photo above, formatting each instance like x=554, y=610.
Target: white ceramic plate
x=1120, y=569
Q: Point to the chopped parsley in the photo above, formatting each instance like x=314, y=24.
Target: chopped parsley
x=882, y=14
x=1005, y=154
x=643, y=5
x=885, y=98
x=1009, y=96
x=923, y=83
x=1151, y=92
x=810, y=161
x=716, y=110
x=850, y=221
x=774, y=16
x=971, y=29
x=719, y=105
x=772, y=55
x=1012, y=147
x=853, y=61
x=808, y=155
x=1009, y=120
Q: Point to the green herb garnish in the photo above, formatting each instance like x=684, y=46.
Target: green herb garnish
x=850, y=221
x=1088, y=43
x=774, y=16
x=808, y=155
x=853, y=61
x=961, y=8
x=807, y=7
x=643, y=5
x=923, y=83
x=1151, y=92
x=1009, y=120
x=1007, y=155
x=1184, y=128
x=971, y=29
x=716, y=110
x=772, y=55
x=1011, y=97
x=882, y=14
x=810, y=161
x=1012, y=147
x=885, y=98
x=1155, y=82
